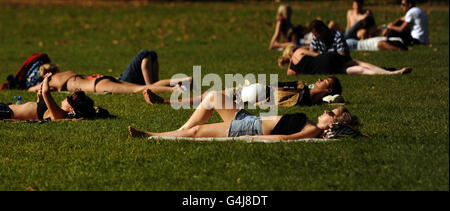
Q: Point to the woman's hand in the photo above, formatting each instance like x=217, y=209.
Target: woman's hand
x=45, y=88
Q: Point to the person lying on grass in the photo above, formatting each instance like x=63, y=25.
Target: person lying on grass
x=77, y=105
x=141, y=74
x=377, y=44
x=308, y=95
x=239, y=122
x=303, y=61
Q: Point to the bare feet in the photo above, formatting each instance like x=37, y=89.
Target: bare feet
x=152, y=98
x=136, y=133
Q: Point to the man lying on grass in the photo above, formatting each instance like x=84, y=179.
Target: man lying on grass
x=239, y=122
x=77, y=105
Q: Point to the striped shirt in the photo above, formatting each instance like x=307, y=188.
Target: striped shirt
x=339, y=45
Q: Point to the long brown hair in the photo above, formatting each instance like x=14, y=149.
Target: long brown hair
x=347, y=118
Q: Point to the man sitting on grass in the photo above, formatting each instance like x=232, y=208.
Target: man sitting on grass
x=413, y=26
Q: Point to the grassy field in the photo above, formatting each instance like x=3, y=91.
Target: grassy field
x=406, y=116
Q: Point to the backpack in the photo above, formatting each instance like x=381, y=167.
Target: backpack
x=28, y=74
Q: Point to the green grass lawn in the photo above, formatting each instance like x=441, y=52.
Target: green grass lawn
x=406, y=116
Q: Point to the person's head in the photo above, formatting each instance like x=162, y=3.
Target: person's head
x=340, y=114
x=284, y=12
x=48, y=68
x=407, y=4
x=319, y=30
x=358, y=4
x=331, y=83
x=285, y=57
x=79, y=104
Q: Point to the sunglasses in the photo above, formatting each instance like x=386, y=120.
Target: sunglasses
x=70, y=100
x=330, y=113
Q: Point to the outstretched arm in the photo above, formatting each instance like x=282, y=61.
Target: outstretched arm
x=35, y=88
x=309, y=131
x=55, y=111
x=398, y=28
x=348, y=20
x=38, y=87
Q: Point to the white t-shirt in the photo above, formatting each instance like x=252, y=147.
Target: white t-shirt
x=419, y=21
x=371, y=44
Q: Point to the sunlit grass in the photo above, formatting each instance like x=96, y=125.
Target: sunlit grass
x=406, y=116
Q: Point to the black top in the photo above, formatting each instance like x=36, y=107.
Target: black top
x=290, y=124
x=328, y=63
x=305, y=100
x=41, y=108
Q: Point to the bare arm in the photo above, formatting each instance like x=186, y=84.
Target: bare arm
x=38, y=87
x=348, y=20
x=318, y=94
x=398, y=28
x=307, y=51
x=34, y=88
x=55, y=111
x=309, y=131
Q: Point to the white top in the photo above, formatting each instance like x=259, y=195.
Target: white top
x=371, y=44
x=418, y=19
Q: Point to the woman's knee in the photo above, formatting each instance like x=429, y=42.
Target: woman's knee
x=362, y=34
x=193, y=131
x=152, y=55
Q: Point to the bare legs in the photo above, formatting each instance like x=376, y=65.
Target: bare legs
x=364, y=68
x=208, y=130
x=384, y=45
x=152, y=98
x=125, y=87
x=194, y=126
x=212, y=101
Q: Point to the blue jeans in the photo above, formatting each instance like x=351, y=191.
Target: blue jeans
x=133, y=73
x=245, y=124
x=351, y=32
x=352, y=43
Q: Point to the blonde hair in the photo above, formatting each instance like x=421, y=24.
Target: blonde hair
x=285, y=57
x=284, y=11
x=346, y=117
x=48, y=68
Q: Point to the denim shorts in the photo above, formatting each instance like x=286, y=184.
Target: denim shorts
x=5, y=111
x=133, y=73
x=245, y=124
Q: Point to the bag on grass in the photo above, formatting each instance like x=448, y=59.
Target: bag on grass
x=28, y=74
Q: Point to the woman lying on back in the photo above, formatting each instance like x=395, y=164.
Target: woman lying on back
x=77, y=105
x=239, y=122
